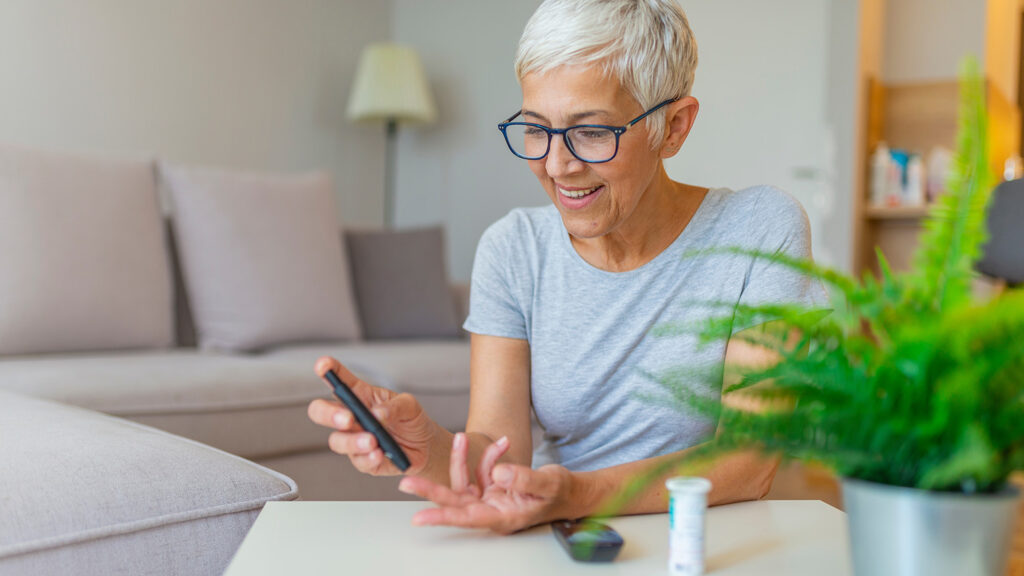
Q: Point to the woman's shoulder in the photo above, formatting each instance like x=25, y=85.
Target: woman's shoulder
x=763, y=200
x=758, y=214
x=766, y=204
x=514, y=244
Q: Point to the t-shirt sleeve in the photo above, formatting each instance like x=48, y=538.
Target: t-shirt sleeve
x=494, y=309
x=788, y=232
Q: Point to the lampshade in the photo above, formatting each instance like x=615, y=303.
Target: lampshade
x=390, y=84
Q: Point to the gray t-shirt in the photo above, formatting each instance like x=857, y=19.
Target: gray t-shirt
x=588, y=329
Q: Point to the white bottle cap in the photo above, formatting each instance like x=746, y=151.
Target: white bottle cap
x=690, y=485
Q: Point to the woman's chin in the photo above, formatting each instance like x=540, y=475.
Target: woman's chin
x=581, y=227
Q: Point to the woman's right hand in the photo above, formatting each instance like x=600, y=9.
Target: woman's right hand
x=400, y=414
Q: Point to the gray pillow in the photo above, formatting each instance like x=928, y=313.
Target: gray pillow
x=83, y=263
x=260, y=258
x=402, y=284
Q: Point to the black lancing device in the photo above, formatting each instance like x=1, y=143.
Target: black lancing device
x=365, y=418
x=587, y=540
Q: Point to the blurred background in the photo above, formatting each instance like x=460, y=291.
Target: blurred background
x=795, y=93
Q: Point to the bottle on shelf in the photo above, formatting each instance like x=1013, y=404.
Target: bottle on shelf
x=897, y=184
x=880, y=167
x=914, y=189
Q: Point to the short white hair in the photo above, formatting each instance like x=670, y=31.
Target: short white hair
x=646, y=45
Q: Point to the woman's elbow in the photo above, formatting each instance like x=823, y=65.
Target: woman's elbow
x=765, y=476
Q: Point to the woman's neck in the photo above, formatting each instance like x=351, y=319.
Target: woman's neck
x=663, y=212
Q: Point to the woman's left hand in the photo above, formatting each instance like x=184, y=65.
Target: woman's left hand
x=506, y=497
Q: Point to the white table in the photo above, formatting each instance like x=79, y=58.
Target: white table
x=791, y=538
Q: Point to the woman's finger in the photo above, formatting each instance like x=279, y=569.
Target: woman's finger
x=525, y=480
x=436, y=493
x=331, y=415
x=362, y=390
x=487, y=461
x=473, y=516
x=373, y=463
x=351, y=443
x=458, y=471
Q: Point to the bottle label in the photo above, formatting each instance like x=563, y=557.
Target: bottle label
x=686, y=535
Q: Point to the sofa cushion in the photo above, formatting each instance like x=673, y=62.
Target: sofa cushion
x=260, y=258
x=401, y=284
x=435, y=371
x=434, y=366
x=185, y=328
x=245, y=405
x=252, y=406
x=85, y=493
x=85, y=265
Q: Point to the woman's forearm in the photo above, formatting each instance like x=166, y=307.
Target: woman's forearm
x=734, y=478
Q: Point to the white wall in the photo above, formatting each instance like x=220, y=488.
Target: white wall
x=262, y=84
x=257, y=84
x=459, y=172
x=776, y=82
x=926, y=39
x=841, y=116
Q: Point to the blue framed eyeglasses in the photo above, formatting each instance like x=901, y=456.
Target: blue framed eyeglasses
x=590, y=143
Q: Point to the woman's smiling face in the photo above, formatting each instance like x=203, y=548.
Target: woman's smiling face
x=611, y=191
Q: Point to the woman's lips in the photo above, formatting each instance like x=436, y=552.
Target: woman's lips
x=566, y=196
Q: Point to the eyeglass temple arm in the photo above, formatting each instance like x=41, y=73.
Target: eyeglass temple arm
x=649, y=112
x=511, y=118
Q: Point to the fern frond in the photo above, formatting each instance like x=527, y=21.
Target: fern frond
x=955, y=230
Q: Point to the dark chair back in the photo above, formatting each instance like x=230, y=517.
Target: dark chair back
x=1003, y=255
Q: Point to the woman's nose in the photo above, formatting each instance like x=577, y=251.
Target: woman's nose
x=560, y=160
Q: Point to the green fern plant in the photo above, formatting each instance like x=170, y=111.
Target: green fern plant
x=905, y=381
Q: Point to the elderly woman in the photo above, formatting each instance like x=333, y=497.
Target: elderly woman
x=563, y=297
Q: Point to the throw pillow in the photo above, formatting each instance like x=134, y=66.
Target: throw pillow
x=260, y=258
x=402, y=284
x=83, y=264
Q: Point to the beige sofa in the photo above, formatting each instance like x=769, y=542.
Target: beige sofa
x=86, y=493
x=253, y=406
x=212, y=434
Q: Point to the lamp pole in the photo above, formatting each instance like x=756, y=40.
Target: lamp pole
x=389, y=173
x=390, y=85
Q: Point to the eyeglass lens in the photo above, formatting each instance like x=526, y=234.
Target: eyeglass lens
x=588, y=143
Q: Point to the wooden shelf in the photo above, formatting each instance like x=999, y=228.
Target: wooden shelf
x=917, y=117
x=897, y=212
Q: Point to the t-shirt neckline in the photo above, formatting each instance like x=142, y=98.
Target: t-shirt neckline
x=696, y=221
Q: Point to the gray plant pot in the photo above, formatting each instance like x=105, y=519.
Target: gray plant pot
x=896, y=531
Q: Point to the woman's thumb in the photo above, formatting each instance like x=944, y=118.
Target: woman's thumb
x=398, y=408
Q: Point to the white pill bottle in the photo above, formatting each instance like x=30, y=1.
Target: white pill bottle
x=687, y=505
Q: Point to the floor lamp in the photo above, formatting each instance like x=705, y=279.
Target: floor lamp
x=390, y=87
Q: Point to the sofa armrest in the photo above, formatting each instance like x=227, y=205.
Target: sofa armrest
x=460, y=292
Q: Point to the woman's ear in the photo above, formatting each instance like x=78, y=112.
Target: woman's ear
x=679, y=118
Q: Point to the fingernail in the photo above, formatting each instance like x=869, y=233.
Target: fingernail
x=501, y=474
x=403, y=486
x=459, y=441
x=339, y=421
x=364, y=442
x=380, y=413
x=503, y=441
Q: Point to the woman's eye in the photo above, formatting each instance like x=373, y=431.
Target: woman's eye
x=534, y=131
x=593, y=134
